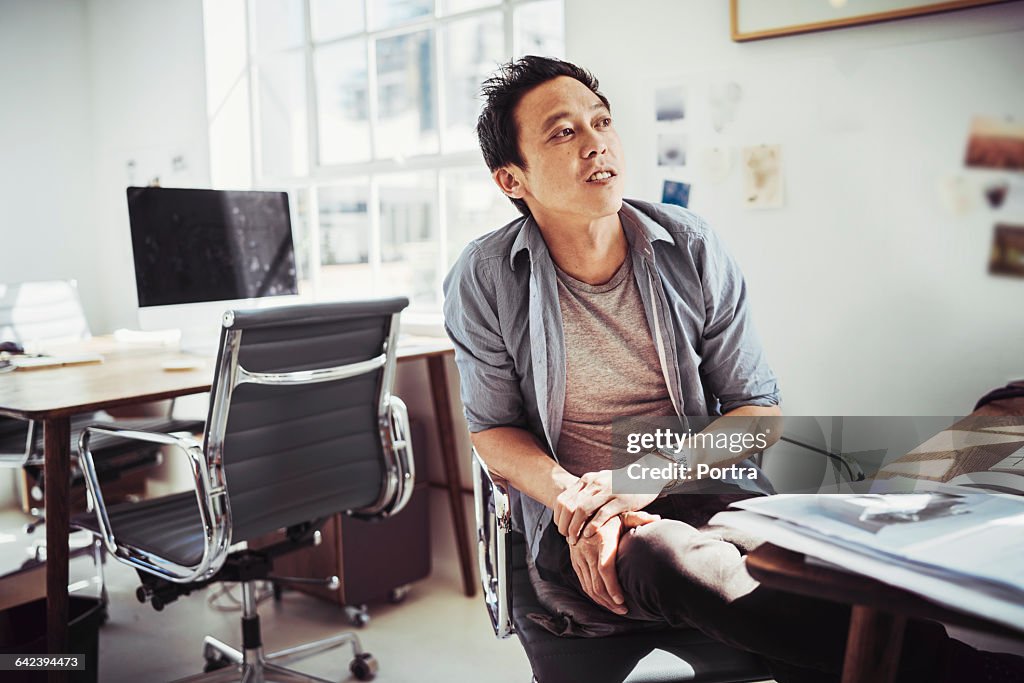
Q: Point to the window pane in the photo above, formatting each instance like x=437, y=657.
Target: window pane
x=472, y=50
x=345, y=241
x=540, y=29
x=454, y=6
x=227, y=50
x=336, y=18
x=230, y=142
x=407, y=121
x=474, y=206
x=282, y=115
x=344, y=223
x=387, y=13
x=277, y=24
x=409, y=245
x=298, y=201
x=343, y=102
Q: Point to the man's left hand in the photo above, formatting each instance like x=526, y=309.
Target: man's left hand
x=591, y=498
x=593, y=559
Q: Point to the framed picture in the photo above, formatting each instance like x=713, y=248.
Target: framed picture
x=757, y=19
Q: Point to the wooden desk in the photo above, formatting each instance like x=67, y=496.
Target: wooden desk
x=135, y=376
x=880, y=611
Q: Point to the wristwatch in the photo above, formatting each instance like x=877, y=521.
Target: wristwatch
x=681, y=468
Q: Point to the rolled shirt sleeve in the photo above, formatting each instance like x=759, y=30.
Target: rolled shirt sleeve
x=489, y=384
x=733, y=362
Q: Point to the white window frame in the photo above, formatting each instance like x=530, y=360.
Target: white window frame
x=319, y=175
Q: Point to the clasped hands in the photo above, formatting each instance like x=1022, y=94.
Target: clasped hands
x=592, y=518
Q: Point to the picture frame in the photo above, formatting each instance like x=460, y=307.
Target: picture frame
x=760, y=19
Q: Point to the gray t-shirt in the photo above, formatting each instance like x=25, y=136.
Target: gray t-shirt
x=612, y=368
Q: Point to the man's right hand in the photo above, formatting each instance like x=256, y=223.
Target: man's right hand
x=590, y=501
x=593, y=558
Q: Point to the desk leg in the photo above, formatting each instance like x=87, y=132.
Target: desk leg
x=873, y=646
x=453, y=480
x=57, y=472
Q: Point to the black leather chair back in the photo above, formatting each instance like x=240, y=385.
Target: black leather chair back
x=294, y=452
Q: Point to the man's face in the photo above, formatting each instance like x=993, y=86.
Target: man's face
x=570, y=147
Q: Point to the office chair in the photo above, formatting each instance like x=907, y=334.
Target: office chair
x=50, y=312
x=642, y=657
x=302, y=425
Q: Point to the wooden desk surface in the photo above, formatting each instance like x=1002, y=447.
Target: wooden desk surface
x=789, y=571
x=126, y=376
x=131, y=375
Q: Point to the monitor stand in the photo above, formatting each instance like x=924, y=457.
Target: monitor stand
x=200, y=323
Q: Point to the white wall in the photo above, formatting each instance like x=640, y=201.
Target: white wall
x=46, y=138
x=87, y=86
x=148, y=105
x=870, y=296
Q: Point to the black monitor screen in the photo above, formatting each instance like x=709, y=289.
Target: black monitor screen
x=192, y=246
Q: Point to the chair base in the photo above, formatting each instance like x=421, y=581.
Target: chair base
x=225, y=663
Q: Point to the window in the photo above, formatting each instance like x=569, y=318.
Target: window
x=364, y=110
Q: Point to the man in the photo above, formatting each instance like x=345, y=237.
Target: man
x=590, y=308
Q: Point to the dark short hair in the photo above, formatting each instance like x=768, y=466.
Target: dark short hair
x=496, y=127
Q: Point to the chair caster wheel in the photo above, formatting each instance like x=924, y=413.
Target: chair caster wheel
x=363, y=667
x=397, y=595
x=357, y=615
x=214, y=664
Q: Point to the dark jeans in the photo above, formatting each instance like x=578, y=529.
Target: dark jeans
x=687, y=574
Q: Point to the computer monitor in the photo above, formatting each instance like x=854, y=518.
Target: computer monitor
x=198, y=253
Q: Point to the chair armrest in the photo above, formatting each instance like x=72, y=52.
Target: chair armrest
x=400, y=437
x=493, y=522
x=211, y=501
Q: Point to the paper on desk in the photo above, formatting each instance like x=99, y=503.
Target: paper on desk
x=1014, y=461
x=975, y=535
x=981, y=599
x=48, y=361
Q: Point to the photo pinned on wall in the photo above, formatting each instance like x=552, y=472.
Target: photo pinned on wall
x=957, y=194
x=714, y=164
x=1005, y=195
x=671, y=149
x=725, y=102
x=675, y=192
x=1007, y=256
x=670, y=104
x=995, y=193
x=762, y=177
x=995, y=143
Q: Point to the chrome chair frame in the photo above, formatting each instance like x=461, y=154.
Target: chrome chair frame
x=492, y=528
x=214, y=507
x=207, y=465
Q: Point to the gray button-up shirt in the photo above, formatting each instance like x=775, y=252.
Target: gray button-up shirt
x=501, y=311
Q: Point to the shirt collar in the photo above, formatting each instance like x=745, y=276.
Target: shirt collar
x=641, y=231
